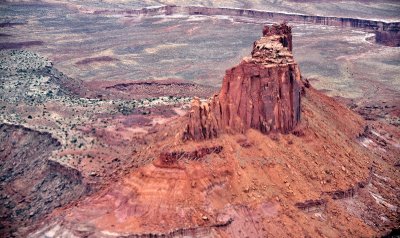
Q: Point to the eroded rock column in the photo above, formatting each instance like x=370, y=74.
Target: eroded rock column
x=262, y=92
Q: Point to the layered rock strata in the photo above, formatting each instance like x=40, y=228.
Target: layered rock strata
x=387, y=33
x=263, y=92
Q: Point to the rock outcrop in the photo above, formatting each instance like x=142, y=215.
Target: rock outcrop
x=389, y=37
x=387, y=33
x=31, y=184
x=263, y=92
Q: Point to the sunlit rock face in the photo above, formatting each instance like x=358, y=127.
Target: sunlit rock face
x=263, y=92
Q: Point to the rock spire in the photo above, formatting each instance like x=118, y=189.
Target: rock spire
x=263, y=92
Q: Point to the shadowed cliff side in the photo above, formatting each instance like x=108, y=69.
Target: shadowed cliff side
x=31, y=184
x=262, y=92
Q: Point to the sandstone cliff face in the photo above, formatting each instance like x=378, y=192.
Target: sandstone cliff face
x=262, y=92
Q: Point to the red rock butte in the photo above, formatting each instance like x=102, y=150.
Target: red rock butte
x=263, y=92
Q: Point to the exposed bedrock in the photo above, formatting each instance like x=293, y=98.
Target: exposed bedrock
x=263, y=92
x=32, y=185
x=173, y=157
x=387, y=33
x=388, y=38
x=280, y=16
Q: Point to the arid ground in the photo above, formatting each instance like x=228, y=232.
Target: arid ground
x=93, y=93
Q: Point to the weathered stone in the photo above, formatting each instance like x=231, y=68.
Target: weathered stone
x=263, y=92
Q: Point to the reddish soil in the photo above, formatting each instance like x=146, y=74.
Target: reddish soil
x=332, y=174
x=255, y=190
